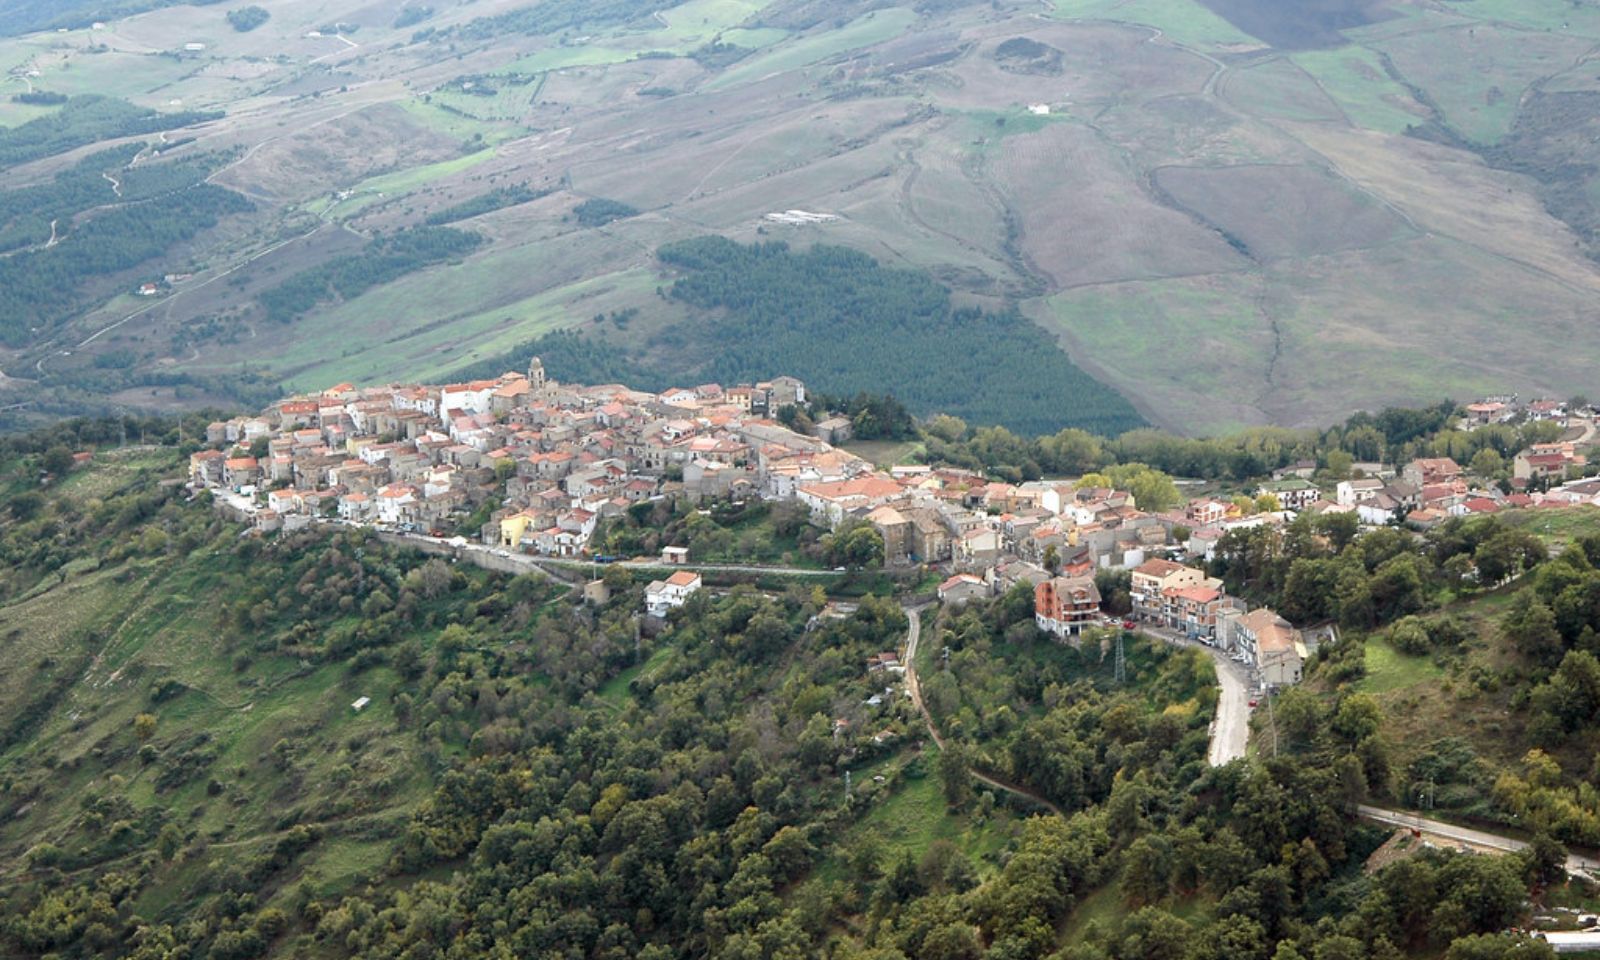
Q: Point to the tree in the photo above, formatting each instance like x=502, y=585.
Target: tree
x=947, y=428
x=617, y=578
x=248, y=18
x=1052, y=559
x=1152, y=490
x=1530, y=626
x=1546, y=860
x=1487, y=464
x=954, y=767
x=1499, y=946
x=26, y=505
x=1410, y=636
x=1146, y=870
x=1507, y=554
x=1267, y=503
x=169, y=841
x=1154, y=934
x=57, y=460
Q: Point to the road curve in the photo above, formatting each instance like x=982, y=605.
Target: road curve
x=1230, y=728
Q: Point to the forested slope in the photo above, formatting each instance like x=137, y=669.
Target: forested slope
x=182, y=772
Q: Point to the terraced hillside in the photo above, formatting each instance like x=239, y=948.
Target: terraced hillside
x=1231, y=212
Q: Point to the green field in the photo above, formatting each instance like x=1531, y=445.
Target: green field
x=1354, y=77
x=615, y=691
x=1185, y=21
x=13, y=113
x=432, y=115
x=443, y=339
x=1477, y=76
x=1160, y=327
x=804, y=51
x=1558, y=526
x=1388, y=669
x=912, y=817
x=688, y=26
x=391, y=185
x=885, y=453
x=1565, y=16
x=1279, y=89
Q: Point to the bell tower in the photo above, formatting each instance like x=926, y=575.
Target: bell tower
x=536, y=373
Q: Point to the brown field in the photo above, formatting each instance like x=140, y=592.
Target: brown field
x=1278, y=212
x=1276, y=89
x=1085, y=221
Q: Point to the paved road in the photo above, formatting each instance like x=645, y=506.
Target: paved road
x=1230, y=729
x=525, y=561
x=1577, y=864
x=714, y=567
x=914, y=688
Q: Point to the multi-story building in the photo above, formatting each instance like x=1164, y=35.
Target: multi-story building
x=1269, y=644
x=1063, y=606
x=1293, y=493
x=1151, y=580
x=664, y=595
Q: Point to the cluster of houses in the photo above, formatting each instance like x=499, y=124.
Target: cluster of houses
x=546, y=463
x=1431, y=490
x=1182, y=599
x=1510, y=408
x=555, y=459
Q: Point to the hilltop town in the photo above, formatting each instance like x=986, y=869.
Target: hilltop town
x=529, y=466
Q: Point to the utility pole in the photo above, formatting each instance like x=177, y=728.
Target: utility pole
x=847, y=784
x=1272, y=721
x=1122, y=661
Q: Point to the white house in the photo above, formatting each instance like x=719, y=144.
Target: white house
x=392, y=500
x=663, y=595
x=472, y=397
x=1379, y=510
x=1352, y=492
x=355, y=506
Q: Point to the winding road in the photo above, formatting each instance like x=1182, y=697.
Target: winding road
x=914, y=688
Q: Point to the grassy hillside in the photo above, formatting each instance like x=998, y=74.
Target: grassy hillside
x=1467, y=655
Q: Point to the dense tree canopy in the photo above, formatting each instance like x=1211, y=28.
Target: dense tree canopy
x=841, y=321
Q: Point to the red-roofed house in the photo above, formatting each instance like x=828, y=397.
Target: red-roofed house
x=1152, y=579
x=1428, y=471
x=240, y=471
x=961, y=588
x=829, y=502
x=663, y=595
x=1063, y=606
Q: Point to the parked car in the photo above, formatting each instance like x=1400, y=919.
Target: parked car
x=1128, y=624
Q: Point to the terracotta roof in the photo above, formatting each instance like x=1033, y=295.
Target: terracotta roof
x=1158, y=568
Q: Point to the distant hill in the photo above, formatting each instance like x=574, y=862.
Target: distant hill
x=1231, y=213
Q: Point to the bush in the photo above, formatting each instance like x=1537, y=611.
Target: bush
x=246, y=19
